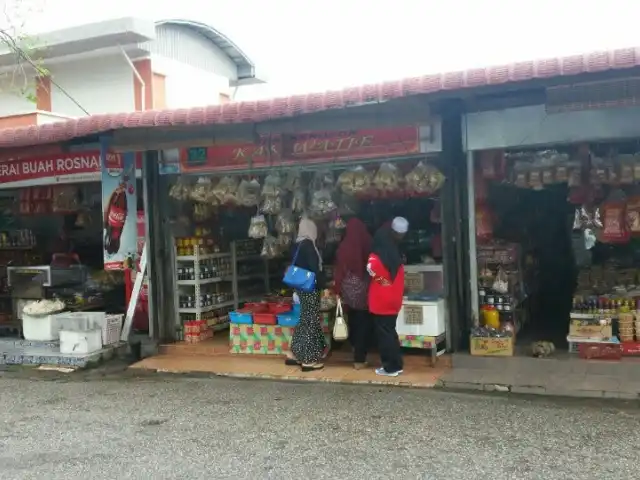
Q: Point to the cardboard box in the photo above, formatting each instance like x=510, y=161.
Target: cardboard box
x=594, y=330
x=492, y=346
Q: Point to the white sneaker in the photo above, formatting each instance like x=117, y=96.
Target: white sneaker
x=382, y=372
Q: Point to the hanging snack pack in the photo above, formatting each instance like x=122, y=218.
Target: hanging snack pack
x=292, y=181
x=249, y=193
x=202, y=191
x=285, y=224
x=258, y=227
x=322, y=202
x=387, y=180
x=180, y=191
x=227, y=190
x=65, y=198
x=299, y=201
x=272, y=192
x=355, y=181
x=270, y=248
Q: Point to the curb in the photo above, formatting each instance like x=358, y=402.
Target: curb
x=536, y=390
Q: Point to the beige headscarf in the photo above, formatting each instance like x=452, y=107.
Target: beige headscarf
x=307, y=230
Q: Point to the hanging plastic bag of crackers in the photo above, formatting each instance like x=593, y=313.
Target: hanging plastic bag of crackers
x=614, y=219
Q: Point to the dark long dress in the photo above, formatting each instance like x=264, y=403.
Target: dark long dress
x=308, y=342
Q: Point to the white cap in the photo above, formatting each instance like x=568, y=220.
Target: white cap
x=400, y=225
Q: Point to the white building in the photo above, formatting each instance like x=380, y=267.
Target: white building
x=119, y=66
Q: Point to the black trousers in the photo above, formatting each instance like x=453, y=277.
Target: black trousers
x=360, y=333
x=388, y=342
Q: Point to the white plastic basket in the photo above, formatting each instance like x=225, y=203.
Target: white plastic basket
x=111, y=329
x=79, y=321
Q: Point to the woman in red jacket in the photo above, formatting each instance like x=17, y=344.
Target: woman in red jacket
x=386, y=292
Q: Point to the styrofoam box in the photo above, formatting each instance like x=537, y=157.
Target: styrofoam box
x=85, y=342
x=39, y=329
x=422, y=318
x=80, y=321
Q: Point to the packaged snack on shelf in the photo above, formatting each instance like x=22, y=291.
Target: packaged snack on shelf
x=625, y=169
x=272, y=185
x=355, y=181
x=65, y=198
x=202, y=191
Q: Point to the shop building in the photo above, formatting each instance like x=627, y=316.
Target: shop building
x=456, y=123
x=141, y=64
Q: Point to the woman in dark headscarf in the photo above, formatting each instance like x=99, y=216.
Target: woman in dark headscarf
x=386, y=292
x=352, y=285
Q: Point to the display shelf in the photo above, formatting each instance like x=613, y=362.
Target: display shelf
x=196, y=288
x=203, y=281
x=207, y=256
x=207, y=308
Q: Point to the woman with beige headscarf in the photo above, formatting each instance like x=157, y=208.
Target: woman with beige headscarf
x=308, y=342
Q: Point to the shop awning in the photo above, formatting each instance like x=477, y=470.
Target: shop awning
x=264, y=110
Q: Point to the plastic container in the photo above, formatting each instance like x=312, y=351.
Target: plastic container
x=40, y=329
x=244, y=318
x=491, y=316
x=80, y=321
x=265, y=319
x=80, y=343
x=288, y=320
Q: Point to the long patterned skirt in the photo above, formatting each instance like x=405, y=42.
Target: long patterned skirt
x=308, y=342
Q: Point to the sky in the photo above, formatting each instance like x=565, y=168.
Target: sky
x=303, y=46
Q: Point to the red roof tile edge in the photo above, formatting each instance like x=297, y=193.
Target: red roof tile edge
x=263, y=110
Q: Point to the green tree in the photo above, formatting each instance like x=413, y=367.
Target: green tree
x=14, y=39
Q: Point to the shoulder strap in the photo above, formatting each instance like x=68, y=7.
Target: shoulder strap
x=295, y=255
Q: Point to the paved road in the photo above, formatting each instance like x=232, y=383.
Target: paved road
x=159, y=428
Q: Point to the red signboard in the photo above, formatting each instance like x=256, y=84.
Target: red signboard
x=68, y=167
x=321, y=147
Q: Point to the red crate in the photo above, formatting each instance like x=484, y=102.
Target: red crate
x=277, y=308
x=261, y=307
x=600, y=351
x=264, y=319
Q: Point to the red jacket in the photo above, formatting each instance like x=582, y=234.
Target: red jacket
x=385, y=297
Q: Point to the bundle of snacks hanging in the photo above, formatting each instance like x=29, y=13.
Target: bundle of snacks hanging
x=202, y=191
x=299, y=201
x=387, y=180
x=355, y=181
x=322, y=202
x=270, y=248
x=202, y=212
x=258, y=227
x=272, y=192
x=180, y=191
x=424, y=180
x=285, y=225
x=633, y=215
x=249, y=193
x=227, y=190
x=292, y=181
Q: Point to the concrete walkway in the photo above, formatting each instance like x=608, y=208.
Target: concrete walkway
x=559, y=376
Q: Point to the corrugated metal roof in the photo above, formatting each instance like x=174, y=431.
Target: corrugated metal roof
x=263, y=110
x=246, y=68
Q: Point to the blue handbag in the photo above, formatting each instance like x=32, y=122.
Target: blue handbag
x=299, y=278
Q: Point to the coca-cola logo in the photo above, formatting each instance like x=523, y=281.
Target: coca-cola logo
x=117, y=217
